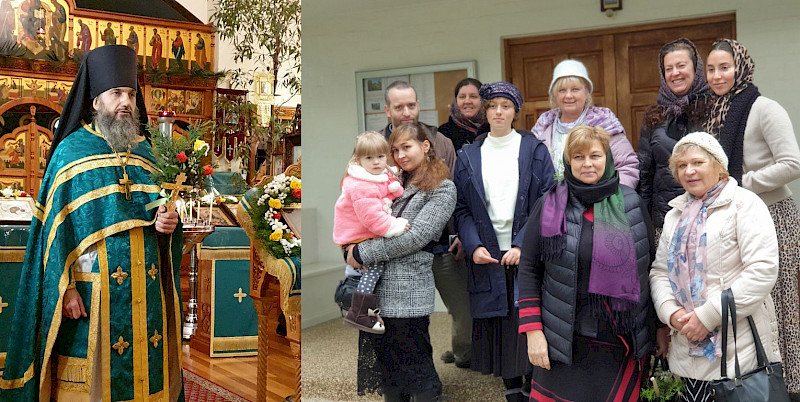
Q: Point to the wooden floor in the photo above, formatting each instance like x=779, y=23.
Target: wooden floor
x=238, y=374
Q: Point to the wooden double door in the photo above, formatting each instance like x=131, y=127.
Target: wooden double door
x=622, y=64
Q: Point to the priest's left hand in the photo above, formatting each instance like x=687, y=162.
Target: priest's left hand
x=166, y=221
x=72, y=305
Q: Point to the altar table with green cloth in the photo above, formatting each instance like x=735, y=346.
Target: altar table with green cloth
x=13, y=239
x=228, y=324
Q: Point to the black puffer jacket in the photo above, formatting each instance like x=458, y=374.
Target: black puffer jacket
x=656, y=184
x=555, y=283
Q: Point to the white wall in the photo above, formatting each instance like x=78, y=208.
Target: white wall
x=223, y=50
x=199, y=8
x=343, y=37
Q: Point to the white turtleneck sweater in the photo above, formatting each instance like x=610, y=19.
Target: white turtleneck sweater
x=500, y=169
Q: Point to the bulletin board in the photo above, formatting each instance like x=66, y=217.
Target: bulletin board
x=434, y=85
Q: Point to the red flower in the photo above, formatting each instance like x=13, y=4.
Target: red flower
x=276, y=216
x=23, y=194
x=181, y=157
x=296, y=193
x=208, y=170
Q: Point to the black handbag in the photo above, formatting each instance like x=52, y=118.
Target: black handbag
x=344, y=291
x=765, y=383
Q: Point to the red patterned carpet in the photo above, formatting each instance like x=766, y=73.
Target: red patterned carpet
x=198, y=389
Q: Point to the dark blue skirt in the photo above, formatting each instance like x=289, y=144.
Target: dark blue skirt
x=497, y=346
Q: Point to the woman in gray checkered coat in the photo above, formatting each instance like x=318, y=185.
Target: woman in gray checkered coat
x=399, y=363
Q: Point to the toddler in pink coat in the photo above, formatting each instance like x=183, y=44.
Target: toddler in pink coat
x=363, y=211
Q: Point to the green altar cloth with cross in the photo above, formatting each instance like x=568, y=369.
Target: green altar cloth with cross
x=233, y=323
x=12, y=253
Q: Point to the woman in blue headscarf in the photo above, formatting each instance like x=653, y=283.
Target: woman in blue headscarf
x=499, y=177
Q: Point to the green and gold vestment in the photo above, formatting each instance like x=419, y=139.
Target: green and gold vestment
x=131, y=295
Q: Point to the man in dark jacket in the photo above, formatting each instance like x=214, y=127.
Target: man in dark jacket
x=449, y=271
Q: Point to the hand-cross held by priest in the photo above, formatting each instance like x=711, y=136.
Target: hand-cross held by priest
x=175, y=187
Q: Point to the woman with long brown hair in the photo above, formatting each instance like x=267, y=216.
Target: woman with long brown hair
x=399, y=363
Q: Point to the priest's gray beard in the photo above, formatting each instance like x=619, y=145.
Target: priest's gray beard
x=120, y=132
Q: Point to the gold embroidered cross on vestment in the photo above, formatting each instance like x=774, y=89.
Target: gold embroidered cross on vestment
x=155, y=338
x=119, y=275
x=121, y=345
x=153, y=271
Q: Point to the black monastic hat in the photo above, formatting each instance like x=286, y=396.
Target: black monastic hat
x=103, y=68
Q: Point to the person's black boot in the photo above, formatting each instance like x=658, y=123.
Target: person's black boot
x=515, y=395
x=390, y=396
x=432, y=395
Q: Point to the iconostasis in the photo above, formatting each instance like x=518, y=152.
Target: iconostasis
x=41, y=45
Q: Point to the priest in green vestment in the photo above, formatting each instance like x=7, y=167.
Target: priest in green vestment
x=99, y=310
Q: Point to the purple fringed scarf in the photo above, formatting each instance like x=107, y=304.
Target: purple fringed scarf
x=613, y=272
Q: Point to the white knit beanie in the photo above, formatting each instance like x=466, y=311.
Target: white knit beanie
x=570, y=68
x=708, y=143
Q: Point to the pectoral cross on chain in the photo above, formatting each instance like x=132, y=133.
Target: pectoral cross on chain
x=126, y=182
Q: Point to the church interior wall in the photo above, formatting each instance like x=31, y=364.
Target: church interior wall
x=343, y=38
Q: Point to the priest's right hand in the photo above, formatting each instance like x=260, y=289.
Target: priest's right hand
x=537, y=349
x=72, y=306
x=166, y=222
